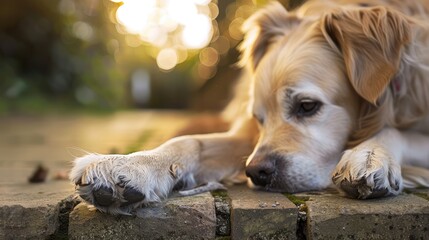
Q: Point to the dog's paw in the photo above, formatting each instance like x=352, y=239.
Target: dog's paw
x=368, y=172
x=117, y=184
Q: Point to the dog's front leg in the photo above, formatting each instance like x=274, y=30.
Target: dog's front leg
x=120, y=183
x=373, y=168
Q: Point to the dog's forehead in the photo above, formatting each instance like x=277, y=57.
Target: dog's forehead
x=305, y=62
x=299, y=68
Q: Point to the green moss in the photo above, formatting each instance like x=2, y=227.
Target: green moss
x=223, y=238
x=297, y=200
x=407, y=191
x=415, y=191
x=422, y=195
x=303, y=208
x=220, y=193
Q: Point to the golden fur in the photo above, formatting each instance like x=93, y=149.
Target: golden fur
x=388, y=55
x=340, y=91
x=372, y=42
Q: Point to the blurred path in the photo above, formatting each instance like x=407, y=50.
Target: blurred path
x=54, y=141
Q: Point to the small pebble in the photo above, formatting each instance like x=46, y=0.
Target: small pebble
x=39, y=174
x=277, y=203
x=262, y=205
x=274, y=205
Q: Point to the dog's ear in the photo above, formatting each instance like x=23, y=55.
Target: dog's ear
x=371, y=40
x=263, y=29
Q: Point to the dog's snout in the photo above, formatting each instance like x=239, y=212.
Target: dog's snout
x=261, y=171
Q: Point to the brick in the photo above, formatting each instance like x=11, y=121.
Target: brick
x=177, y=218
x=30, y=211
x=261, y=215
x=331, y=216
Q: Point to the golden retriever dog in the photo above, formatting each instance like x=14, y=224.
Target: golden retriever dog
x=335, y=92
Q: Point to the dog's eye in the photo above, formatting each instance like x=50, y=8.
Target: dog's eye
x=308, y=108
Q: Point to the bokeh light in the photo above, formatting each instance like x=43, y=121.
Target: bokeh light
x=168, y=25
x=184, y=27
x=134, y=14
x=167, y=58
x=209, y=57
x=83, y=31
x=94, y=53
x=197, y=32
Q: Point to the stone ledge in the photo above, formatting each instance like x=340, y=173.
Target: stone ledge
x=177, y=218
x=42, y=211
x=30, y=211
x=331, y=216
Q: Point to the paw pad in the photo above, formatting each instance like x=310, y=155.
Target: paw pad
x=132, y=196
x=103, y=196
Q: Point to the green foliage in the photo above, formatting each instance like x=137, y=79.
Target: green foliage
x=67, y=54
x=57, y=51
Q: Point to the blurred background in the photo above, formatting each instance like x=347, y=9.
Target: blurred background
x=119, y=54
x=79, y=76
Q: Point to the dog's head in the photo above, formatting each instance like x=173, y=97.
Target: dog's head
x=318, y=84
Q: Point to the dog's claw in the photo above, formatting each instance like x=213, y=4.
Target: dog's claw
x=349, y=188
x=360, y=189
x=85, y=192
x=83, y=180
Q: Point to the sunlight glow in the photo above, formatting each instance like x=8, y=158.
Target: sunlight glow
x=198, y=32
x=134, y=15
x=182, y=11
x=169, y=25
x=201, y=2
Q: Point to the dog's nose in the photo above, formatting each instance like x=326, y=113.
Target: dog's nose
x=260, y=171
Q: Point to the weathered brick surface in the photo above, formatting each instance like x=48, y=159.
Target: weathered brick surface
x=178, y=218
x=331, y=216
x=261, y=215
x=30, y=211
